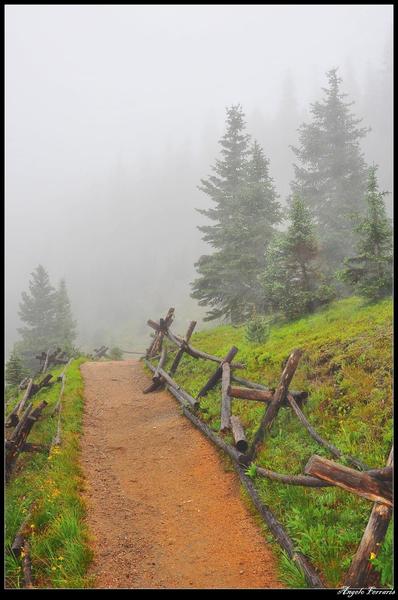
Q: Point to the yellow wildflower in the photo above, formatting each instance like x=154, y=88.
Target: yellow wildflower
x=372, y=556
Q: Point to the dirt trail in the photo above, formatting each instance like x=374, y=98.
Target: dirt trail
x=163, y=511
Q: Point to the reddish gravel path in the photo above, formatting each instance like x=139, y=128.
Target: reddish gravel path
x=163, y=511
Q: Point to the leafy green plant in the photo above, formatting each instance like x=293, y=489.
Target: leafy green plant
x=251, y=471
x=383, y=563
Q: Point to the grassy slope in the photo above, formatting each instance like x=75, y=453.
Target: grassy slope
x=59, y=538
x=347, y=369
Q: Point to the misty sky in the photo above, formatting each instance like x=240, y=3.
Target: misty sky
x=113, y=114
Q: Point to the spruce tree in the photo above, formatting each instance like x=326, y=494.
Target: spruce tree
x=224, y=187
x=216, y=286
x=65, y=326
x=291, y=281
x=37, y=311
x=15, y=371
x=369, y=272
x=257, y=214
x=245, y=211
x=331, y=176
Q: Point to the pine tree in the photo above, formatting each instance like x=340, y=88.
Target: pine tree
x=331, y=177
x=225, y=186
x=37, y=311
x=15, y=371
x=369, y=272
x=257, y=215
x=246, y=210
x=65, y=326
x=291, y=281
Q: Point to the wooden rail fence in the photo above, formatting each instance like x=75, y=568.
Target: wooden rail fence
x=359, y=479
x=16, y=442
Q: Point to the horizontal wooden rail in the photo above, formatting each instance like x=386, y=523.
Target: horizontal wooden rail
x=292, y=479
x=171, y=384
x=363, y=484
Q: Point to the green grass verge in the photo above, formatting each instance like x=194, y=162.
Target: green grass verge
x=347, y=370
x=59, y=538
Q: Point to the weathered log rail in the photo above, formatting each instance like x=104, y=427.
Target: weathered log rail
x=372, y=484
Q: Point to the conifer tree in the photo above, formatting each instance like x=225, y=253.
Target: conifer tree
x=37, y=311
x=369, y=272
x=331, y=176
x=245, y=211
x=224, y=187
x=257, y=215
x=65, y=326
x=15, y=371
x=291, y=281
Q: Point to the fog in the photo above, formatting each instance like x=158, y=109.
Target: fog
x=113, y=114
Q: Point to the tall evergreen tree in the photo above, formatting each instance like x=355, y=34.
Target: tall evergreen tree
x=216, y=286
x=291, y=281
x=15, y=371
x=65, y=326
x=224, y=188
x=331, y=177
x=258, y=213
x=37, y=311
x=369, y=272
x=245, y=210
